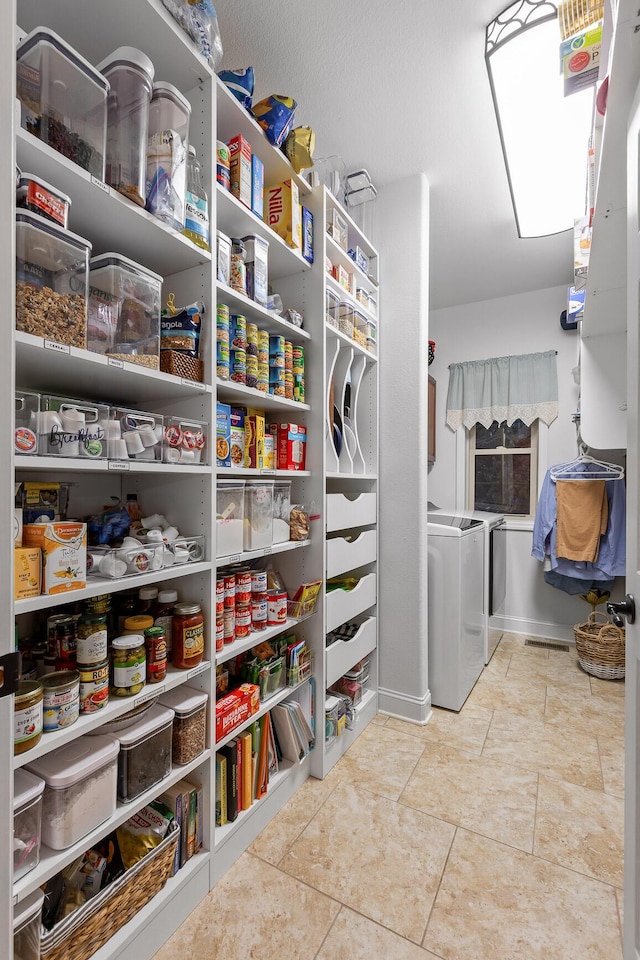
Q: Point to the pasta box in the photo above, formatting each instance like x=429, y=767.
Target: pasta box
x=236, y=707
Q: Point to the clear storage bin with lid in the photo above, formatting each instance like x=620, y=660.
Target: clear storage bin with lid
x=130, y=74
x=52, y=267
x=189, y=733
x=345, y=318
x=258, y=514
x=332, y=308
x=361, y=328
x=229, y=517
x=185, y=441
x=27, y=822
x=281, y=510
x=26, y=410
x=123, y=319
x=167, y=146
x=27, y=924
x=80, y=788
x=40, y=197
x=63, y=99
x=145, y=753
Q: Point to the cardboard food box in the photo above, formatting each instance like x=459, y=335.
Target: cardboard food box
x=254, y=439
x=282, y=212
x=27, y=572
x=241, y=171
x=236, y=707
x=64, y=554
x=223, y=435
x=257, y=186
x=292, y=446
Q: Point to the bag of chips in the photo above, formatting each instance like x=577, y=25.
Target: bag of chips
x=275, y=115
x=240, y=83
x=299, y=147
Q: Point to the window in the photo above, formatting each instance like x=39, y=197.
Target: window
x=503, y=468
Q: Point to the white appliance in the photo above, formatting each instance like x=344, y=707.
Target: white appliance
x=494, y=568
x=456, y=623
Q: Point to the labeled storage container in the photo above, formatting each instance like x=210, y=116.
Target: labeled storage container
x=123, y=307
x=27, y=822
x=27, y=925
x=26, y=410
x=134, y=434
x=281, y=510
x=72, y=428
x=40, y=197
x=130, y=74
x=63, y=99
x=345, y=318
x=332, y=309
x=80, y=788
x=229, y=517
x=189, y=735
x=185, y=441
x=52, y=267
x=258, y=514
x=257, y=254
x=361, y=329
x=145, y=753
x=167, y=146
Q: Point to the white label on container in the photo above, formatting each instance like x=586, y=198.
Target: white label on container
x=155, y=690
x=100, y=183
x=196, y=670
x=57, y=347
x=115, y=363
x=120, y=465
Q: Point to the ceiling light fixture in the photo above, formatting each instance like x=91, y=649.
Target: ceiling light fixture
x=544, y=135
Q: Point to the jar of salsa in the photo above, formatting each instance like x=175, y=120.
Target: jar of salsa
x=188, y=636
x=155, y=641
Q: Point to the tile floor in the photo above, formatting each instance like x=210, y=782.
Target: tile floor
x=492, y=834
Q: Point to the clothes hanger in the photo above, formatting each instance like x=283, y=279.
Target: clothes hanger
x=595, y=469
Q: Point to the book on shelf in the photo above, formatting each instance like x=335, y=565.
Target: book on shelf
x=173, y=798
x=230, y=751
x=263, y=757
x=200, y=817
x=221, y=790
x=245, y=748
x=236, y=740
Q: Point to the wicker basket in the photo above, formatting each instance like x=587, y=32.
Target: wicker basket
x=601, y=647
x=88, y=928
x=171, y=361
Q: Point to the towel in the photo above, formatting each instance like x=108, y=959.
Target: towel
x=582, y=517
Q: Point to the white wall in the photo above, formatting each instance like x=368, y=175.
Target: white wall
x=523, y=324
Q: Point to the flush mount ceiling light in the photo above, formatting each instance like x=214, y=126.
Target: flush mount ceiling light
x=544, y=134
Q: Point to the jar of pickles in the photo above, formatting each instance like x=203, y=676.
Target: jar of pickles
x=128, y=665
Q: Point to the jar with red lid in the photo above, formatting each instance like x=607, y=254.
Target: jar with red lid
x=188, y=636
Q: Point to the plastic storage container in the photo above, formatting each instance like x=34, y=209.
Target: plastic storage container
x=185, y=441
x=196, y=223
x=167, y=146
x=72, y=428
x=189, y=735
x=80, y=788
x=258, y=514
x=130, y=74
x=27, y=923
x=346, y=318
x=257, y=256
x=223, y=257
x=332, y=308
x=145, y=753
x=281, y=510
x=25, y=432
x=27, y=822
x=134, y=434
x=361, y=328
x=52, y=268
x=124, y=310
x=337, y=228
x=229, y=517
x=63, y=98
x=40, y=197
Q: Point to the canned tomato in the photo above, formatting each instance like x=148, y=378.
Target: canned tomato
x=219, y=596
x=243, y=620
x=61, y=699
x=243, y=586
x=229, y=591
x=259, y=581
x=94, y=687
x=219, y=633
x=229, y=625
x=259, y=611
x=276, y=607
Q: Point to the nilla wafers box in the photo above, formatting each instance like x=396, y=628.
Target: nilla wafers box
x=282, y=212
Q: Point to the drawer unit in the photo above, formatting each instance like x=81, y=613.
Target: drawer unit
x=343, y=605
x=342, y=654
x=344, y=555
x=344, y=512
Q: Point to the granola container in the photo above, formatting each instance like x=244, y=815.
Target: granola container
x=124, y=310
x=40, y=197
x=52, y=267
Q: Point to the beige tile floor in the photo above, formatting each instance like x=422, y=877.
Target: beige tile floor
x=492, y=834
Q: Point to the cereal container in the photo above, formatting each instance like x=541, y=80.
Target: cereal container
x=189, y=735
x=258, y=514
x=63, y=99
x=27, y=822
x=51, y=280
x=124, y=310
x=167, y=144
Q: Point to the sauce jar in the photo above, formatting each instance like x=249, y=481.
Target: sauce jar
x=137, y=625
x=27, y=723
x=128, y=665
x=155, y=640
x=188, y=636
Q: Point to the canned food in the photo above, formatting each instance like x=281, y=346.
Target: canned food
x=259, y=611
x=288, y=355
x=62, y=630
x=243, y=586
x=61, y=699
x=298, y=388
x=276, y=607
x=258, y=581
x=230, y=591
x=94, y=687
x=27, y=716
x=243, y=620
x=298, y=360
x=239, y=332
x=222, y=323
x=129, y=666
x=229, y=625
x=223, y=166
x=219, y=633
x=219, y=596
x=252, y=339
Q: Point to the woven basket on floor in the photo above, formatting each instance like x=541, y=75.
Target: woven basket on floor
x=600, y=645
x=88, y=928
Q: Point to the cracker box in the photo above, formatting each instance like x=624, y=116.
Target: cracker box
x=223, y=435
x=254, y=439
x=240, y=164
x=237, y=436
x=307, y=234
x=291, y=446
x=64, y=554
x=257, y=186
x=282, y=212
x=26, y=572
x=236, y=707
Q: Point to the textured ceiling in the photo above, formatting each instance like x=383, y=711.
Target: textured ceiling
x=401, y=89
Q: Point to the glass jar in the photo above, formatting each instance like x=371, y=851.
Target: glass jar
x=166, y=181
x=238, y=275
x=127, y=607
x=188, y=636
x=196, y=225
x=147, y=597
x=163, y=615
x=128, y=665
x=27, y=724
x=91, y=642
x=155, y=640
x=137, y=624
x=130, y=74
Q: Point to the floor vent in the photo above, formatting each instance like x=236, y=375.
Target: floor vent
x=547, y=645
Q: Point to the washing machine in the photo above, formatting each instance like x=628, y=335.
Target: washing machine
x=456, y=641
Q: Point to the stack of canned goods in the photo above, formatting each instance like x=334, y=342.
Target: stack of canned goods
x=298, y=373
x=222, y=342
x=276, y=366
x=238, y=348
x=252, y=355
x=245, y=606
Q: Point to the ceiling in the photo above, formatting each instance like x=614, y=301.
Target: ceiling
x=402, y=89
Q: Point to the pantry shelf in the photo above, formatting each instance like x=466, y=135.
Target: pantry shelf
x=52, y=861
x=338, y=255
x=338, y=335
x=363, y=242
x=267, y=319
x=248, y=472
x=86, y=464
x=222, y=834
x=239, y=646
x=265, y=552
x=344, y=294
x=255, y=398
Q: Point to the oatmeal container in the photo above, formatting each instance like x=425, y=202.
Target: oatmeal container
x=189, y=735
x=27, y=822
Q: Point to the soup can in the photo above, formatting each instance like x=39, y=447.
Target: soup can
x=229, y=626
x=276, y=607
x=219, y=633
x=229, y=591
x=258, y=581
x=259, y=611
x=61, y=699
x=94, y=687
x=298, y=360
x=238, y=332
x=252, y=339
x=243, y=586
x=243, y=620
x=219, y=596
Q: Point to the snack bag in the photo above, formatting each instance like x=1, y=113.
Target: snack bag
x=275, y=115
x=299, y=147
x=240, y=83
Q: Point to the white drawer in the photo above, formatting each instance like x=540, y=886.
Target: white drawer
x=342, y=654
x=343, y=605
x=343, y=555
x=343, y=512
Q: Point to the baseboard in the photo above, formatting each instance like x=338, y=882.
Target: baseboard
x=534, y=628
x=404, y=707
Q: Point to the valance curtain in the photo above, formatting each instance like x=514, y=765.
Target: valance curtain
x=503, y=388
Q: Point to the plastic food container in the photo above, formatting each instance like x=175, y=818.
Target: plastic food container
x=258, y=514
x=145, y=753
x=361, y=328
x=189, y=735
x=281, y=510
x=80, y=788
x=185, y=441
x=257, y=254
x=229, y=517
x=27, y=923
x=72, y=428
x=332, y=310
x=40, y=197
x=64, y=99
x=52, y=268
x=337, y=228
x=134, y=434
x=167, y=145
x=130, y=74
x=346, y=318
x=124, y=310
x=25, y=435
x=223, y=255
x=27, y=822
